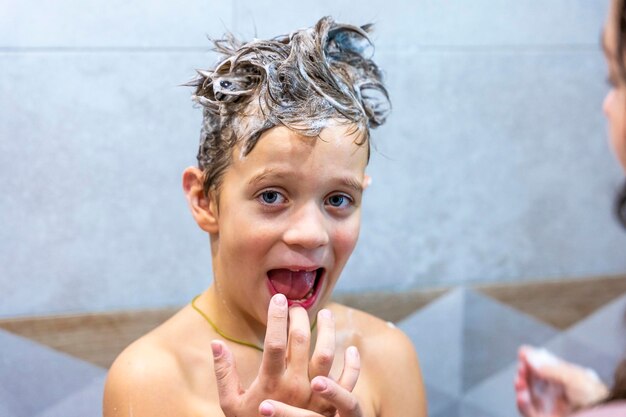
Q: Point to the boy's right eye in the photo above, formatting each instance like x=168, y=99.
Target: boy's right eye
x=271, y=197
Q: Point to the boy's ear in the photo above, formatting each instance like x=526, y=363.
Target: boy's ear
x=367, y=180
x=203, y=208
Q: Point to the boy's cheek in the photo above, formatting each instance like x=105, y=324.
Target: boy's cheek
x=345, y=240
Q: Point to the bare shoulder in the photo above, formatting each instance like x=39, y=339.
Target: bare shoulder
x=141, y=379
x=370, y=333
x=388, y=353
x=159, y=374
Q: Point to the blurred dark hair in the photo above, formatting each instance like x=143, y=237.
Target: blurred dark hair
x=620, y=205
x=620, y=57
x=618, y=390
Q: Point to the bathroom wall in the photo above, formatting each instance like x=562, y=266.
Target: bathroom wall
x=493, y=167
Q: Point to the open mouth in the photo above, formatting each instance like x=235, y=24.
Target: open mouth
x=301, y=287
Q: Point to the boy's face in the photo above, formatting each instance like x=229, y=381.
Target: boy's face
x=288, y=219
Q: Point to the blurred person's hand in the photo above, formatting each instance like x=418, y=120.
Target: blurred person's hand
x=547, y=386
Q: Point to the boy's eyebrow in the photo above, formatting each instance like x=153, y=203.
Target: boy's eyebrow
x=349, y=182
x=267, y=172
x=352, y=183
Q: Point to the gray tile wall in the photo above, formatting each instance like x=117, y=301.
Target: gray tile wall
x=468, y=343
x=493, y=166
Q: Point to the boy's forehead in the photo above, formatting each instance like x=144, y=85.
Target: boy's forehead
x=281, y=140
x=281, y=149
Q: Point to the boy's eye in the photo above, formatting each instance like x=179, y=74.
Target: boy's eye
x=339, y=201
x=271, y=197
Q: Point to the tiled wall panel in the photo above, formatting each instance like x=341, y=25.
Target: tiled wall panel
x=492, y=167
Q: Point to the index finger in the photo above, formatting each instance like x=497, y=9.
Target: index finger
x=275, y=345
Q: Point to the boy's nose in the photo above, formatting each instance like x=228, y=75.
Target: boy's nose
x=307, y=228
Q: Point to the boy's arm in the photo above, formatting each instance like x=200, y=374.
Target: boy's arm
x=400, y=388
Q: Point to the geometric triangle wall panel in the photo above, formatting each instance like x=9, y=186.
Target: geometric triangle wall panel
x=33, y=377
x=492, y=333
x=436, y=332
x=85, y=402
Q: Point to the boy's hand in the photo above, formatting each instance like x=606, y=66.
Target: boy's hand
x=285, y=372
x=344, y=402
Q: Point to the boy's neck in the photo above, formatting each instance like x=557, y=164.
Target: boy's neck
x=232, y=323
x=230, y=320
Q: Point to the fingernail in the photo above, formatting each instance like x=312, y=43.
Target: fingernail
x=319, y=384
x=353, y=351
x=326, y=314
x=280, y=300
x=217, y=349
x=266, y=408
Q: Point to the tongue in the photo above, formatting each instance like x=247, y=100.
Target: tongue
x=294, y=285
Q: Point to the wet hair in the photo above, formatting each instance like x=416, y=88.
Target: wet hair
x=303, y=81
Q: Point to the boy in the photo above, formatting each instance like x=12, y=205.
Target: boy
x=284, y=146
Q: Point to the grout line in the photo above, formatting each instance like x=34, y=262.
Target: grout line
x=80, y=49
x=384, y=49
x=381, y=48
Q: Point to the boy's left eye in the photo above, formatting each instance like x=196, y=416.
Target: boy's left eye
x=339, y=201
